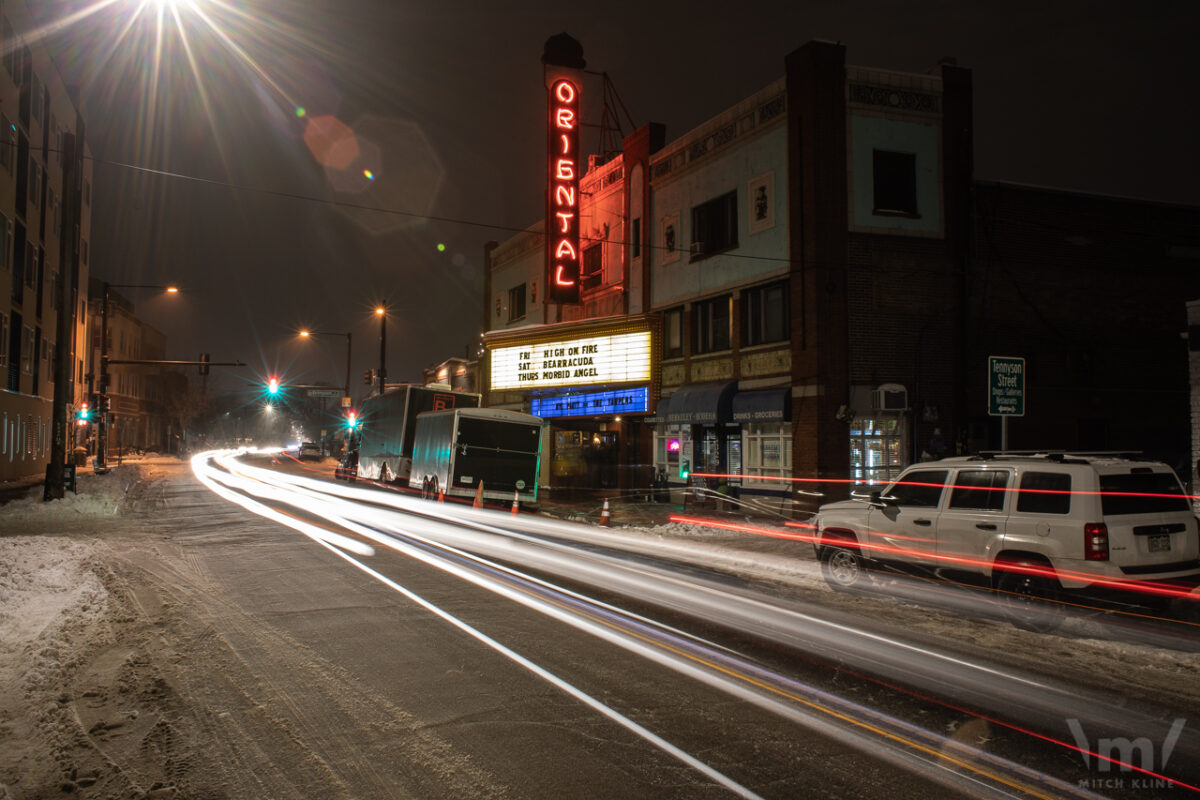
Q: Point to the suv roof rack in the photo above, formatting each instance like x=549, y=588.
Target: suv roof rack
x=1075, y=456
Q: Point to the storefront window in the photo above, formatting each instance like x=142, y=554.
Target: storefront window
x=672, y=445
x=766, y=451
x=876, y=449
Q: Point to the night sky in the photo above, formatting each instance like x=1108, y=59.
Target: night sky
x=203, y=176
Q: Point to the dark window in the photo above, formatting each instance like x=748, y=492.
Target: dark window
x=593, y=267
x=765, y=314
x=920, y=489
x=710, y=325
x=1141, y=493
x=714, y=226
x=635, y=245
x=516, y=303
x=7, y=35
x=980, y=489
x=895, y=177
x=673, y=333
x=1045, y=493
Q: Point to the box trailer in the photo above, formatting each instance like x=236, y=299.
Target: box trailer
x=388, y=425
x=454, y=451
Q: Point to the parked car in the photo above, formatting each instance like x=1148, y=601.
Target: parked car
x=310, y=451
x=1034, y=526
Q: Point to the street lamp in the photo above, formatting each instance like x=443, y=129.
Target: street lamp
x=102, y=393
x=305, y=333
x=381, y=312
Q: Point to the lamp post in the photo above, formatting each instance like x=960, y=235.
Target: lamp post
x=381, y=312
x=102, y=392
x=307, y=333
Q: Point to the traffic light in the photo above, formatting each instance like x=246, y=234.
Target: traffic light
x=273, y=386
x=368, y=376
x=352, y=420
x=84, y=414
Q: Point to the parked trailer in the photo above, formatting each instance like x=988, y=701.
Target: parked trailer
x=385, y=443
x=454, y=451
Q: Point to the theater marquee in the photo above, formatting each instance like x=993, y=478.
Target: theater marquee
x=620, y=358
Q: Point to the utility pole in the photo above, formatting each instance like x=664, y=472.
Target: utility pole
x=381, y=311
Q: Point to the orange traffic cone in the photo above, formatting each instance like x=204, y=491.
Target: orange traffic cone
x=605, y=517
x=441, y=495
x=478, y=496
x=516, y=506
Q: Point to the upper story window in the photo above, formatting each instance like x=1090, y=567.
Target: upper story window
x=8, y=144
x=516, y=303
x=710, y=324
x=635, y=244
x=765, y=314
x=714, y=226
x=673, y=333
x=34, y=182
x=895, y=178
x=7, y=36
x=27, y=354
x=593, y=266
x=5, y=234
x=36, y=99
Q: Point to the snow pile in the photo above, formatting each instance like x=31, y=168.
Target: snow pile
x=51, y=601
x=98, y=496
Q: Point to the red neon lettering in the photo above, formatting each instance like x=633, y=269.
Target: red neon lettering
x=558, y=277
x=566, y=249
x=564, y=195
x=565, y=169
x=565, y=217
x=564, y=118
x=566, y=143
x=565, y=92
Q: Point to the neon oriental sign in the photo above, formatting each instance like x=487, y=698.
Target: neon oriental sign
x=562, y=223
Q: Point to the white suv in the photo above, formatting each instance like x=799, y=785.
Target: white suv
x=1034, y=525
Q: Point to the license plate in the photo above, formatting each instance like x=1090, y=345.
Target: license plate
x=1160, y=543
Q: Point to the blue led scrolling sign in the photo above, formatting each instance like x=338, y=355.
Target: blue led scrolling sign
x=585, y=404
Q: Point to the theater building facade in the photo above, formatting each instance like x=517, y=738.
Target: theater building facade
x=808, y=272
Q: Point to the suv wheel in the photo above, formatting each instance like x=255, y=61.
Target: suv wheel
x=843, y=568
x=1028, y=599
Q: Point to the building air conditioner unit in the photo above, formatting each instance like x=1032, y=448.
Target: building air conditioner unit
x=890, y=397
x=697, y=249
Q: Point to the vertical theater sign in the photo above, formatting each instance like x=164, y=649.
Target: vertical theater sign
x=563, y=60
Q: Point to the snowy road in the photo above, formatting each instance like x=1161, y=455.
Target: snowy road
x=512, y=656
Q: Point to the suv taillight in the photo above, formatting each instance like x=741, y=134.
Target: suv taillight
x=1095, y=541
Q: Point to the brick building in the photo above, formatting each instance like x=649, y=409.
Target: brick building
x=45, y=229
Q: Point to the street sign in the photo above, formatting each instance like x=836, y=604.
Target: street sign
x=324, y=392
x=345, y=402
x=1006, y=386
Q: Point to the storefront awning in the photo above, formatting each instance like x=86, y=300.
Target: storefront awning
x=768, y=405
x=702, y=404
x=659, y=416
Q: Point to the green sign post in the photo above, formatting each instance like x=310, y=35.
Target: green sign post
x=1006, y=391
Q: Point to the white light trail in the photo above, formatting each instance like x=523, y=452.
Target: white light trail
x=964, y=680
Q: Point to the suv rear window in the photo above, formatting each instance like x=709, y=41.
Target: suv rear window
x=1045, y=493
x=1141, y=493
